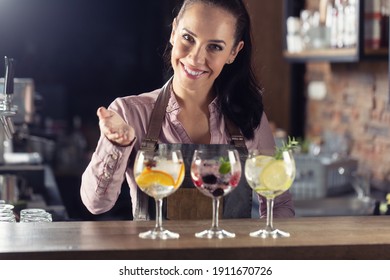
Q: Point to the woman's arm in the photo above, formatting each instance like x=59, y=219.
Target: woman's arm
x=102, y=180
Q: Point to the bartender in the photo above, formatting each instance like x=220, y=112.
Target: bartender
x=211, y=96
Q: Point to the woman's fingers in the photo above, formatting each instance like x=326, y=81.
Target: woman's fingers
x=103, y=113
x=114, y=127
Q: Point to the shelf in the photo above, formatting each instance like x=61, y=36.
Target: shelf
x=382, y=52
x=358, y=53
x=331, y=55
x=335, y=55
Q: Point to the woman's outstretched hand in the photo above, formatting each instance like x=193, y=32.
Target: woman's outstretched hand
x=114, y=127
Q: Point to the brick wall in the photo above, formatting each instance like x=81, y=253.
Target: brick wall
x=356, y=106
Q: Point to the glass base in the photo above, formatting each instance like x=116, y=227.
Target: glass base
x=264, y=233
x=215, y=233
x=159, y=234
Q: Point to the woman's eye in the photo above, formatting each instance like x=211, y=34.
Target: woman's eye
x=188, y=38
x=215, y=47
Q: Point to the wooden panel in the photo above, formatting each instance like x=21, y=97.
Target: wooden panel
x=190, y=204
x=271, y=69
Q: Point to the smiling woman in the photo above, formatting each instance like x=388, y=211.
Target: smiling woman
x=212, y=99
x=199, y=53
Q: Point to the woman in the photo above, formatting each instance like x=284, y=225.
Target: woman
x=212, y=86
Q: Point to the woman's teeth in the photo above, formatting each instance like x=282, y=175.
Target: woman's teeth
x=193, y=73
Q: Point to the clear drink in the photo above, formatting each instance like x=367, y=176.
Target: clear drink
x=159, y=173
x=208, y=178
x=270, y=176
x=215, y=174
x=159, y=177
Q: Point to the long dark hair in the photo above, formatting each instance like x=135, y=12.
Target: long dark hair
x=239, y=93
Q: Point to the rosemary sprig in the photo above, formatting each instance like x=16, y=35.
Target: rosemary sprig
x=291, y=144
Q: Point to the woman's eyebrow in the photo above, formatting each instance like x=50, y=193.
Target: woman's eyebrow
x=211, y=41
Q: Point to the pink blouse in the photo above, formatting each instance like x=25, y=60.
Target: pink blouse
x=102, y=180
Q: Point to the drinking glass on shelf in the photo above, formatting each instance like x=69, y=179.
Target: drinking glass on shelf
x=215, y=174
x=270, y=176
x=159, y=174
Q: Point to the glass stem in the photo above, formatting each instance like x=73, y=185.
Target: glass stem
x=214, y=224
x=270, y=214
x=159, y=203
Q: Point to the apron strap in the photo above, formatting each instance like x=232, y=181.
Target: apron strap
x=237, y=139
x=157, y=117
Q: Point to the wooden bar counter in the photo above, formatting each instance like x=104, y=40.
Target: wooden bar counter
x=364, y=237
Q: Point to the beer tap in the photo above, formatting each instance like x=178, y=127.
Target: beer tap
x=7, y=110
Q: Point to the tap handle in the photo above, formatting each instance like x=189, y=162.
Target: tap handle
x=9, y=76
x=10, y=124
x=4, y=125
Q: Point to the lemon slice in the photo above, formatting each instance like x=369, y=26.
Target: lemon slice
x=180, y=178
x=154, y=177
x=275, y=176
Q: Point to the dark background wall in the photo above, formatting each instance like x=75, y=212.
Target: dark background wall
x=84, y=53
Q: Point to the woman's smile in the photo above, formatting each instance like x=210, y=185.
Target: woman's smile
x=191, y=72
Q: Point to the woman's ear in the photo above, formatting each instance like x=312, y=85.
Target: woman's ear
x=235, y=51
x=174, y=26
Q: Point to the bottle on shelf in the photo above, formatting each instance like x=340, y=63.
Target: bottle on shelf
x=384, y=26
x=343, y=24
x=372, y=24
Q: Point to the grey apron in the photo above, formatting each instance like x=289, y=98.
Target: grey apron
x=237, y=204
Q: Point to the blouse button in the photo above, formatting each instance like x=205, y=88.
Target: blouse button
x=114, y=156
x=107, y=175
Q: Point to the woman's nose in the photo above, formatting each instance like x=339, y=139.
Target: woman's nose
x=197, y=55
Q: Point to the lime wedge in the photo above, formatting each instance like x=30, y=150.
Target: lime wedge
x=224, y=168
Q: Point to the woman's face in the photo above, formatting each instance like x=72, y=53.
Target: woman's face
x=203, y=42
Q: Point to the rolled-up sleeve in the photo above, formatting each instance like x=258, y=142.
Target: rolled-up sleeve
x=102, y=180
